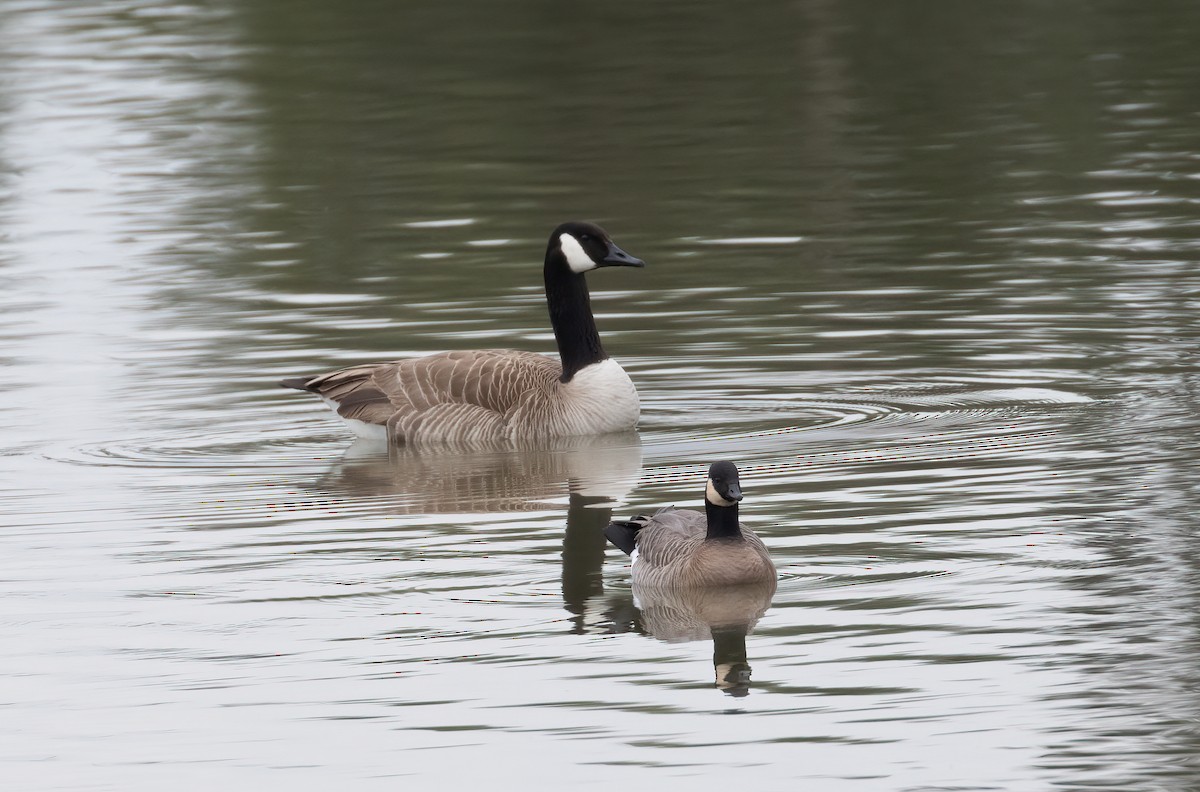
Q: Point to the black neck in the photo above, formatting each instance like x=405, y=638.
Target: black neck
x=571, y=316
x=729, y=644
x=722, y=521
x=729, y=655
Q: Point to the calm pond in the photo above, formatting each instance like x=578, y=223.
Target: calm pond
x=929, y=273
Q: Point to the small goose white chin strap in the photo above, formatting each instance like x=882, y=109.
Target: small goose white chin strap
x=711, y=495
x=577, y=259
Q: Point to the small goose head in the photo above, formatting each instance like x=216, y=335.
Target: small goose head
x=733, y=678
x=724, y=488
x=586, y=246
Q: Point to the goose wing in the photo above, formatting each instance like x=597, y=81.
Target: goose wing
x=669, y=536
x=460, y=395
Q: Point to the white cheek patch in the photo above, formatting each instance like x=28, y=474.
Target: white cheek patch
x=577, y=259
x=714, y=498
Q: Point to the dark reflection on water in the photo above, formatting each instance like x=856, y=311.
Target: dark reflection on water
x=927, y=273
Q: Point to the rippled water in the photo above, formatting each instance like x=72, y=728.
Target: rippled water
x=927, y=273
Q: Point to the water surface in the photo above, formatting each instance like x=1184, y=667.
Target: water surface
x=929, y=275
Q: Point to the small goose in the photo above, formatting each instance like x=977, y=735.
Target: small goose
x=687, y=548
x=488, y=396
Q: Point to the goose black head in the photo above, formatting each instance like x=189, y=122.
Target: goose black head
x=724, y=488
x=586, y=246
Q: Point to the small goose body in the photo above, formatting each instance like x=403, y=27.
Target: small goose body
x=682, y=548
x=487, y=396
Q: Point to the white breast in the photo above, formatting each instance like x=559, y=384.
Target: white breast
x=599, y=398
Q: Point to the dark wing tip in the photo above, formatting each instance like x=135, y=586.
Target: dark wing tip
x=623, y=535
x=299, y=383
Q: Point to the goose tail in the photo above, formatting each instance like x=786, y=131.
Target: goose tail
x=623, y=533
x=299, y=383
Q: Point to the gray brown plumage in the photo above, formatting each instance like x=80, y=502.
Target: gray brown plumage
x=677, y=547
x=481, y=397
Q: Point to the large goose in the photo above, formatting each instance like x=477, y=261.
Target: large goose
x=678, y=547
x=486, y=396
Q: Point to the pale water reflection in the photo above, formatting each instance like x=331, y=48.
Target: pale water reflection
x=927, y=274
x=723, y=616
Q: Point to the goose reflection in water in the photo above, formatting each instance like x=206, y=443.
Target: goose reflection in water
x=593, y=472
x=724, y=614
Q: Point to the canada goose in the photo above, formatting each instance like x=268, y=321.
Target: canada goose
x=486, y=396
x=686, y=548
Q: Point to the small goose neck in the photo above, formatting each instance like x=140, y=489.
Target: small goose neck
x=722, y=521
x=571, y=317
x=729, y=644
